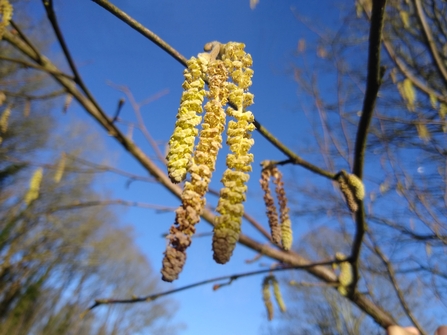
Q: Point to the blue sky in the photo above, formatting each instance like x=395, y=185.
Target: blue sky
x=106, y=50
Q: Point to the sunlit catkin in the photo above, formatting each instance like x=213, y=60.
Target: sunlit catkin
x=228, y=225
x=266, y=297
x=181, y=143
x=34, y=187
x=203, y=164
x=6, y=15
x=345, y=278
x=352, y=188
x=277, y=294
x=286, y=225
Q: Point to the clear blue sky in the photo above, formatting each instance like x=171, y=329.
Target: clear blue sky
x=107, y=50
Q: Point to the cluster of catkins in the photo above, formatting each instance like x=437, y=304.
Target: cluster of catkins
x=281, y=230
x=222, y=64
x=352, y=189
x=266, y=296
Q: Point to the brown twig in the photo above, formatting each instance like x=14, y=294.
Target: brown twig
x=430, y=41
x=50, y=95
x=78, y=204
x=400, y=295
x=231, y=278
x=373, y=82
x=48, y=5
x=34, y=66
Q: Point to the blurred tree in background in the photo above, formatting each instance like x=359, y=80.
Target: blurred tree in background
x=56, y=251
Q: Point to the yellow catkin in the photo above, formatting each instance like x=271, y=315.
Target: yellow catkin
x=60, y=169
x=4, y=119
x=204, y=160
x=6, y=16
x=181, y=143
x=352, y=188
x=357, y=186
x=272, y=214
x=34, y=187
x=230, y=206
x=345, y=278
x=2, y=98
x=266, y=297
x=408, y=93
x=286, y=224
x=277, y=294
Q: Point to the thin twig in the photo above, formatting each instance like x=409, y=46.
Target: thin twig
x=373, y=82
x=48, y=5
x=34, y=66
x=400, y=295
x=107, y=5
x=153, y=297
x=50, y=95
x=23, y=37
x=78, y=204
x=430, y=41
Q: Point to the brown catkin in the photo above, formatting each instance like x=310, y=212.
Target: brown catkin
x=286, y=226
x=347, y=192
x=272, y=214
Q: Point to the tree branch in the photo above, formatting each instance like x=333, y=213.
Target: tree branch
x=153, y=297
x=400, y=295
x=430, y=40
x=34, y=66
x=78, y=204
x=373, y=82
x=48, y=5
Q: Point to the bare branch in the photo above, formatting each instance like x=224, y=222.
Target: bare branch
x=231, y=278
x=430, y=40
x=78, y=204
x=34, y=66
x=400, y=295
x=373, y=82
